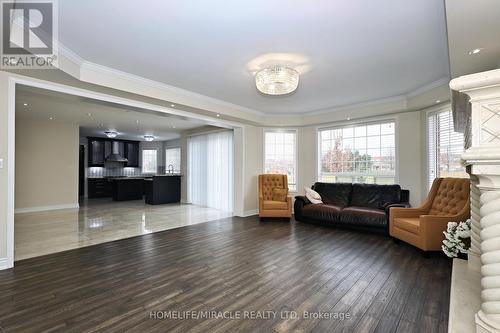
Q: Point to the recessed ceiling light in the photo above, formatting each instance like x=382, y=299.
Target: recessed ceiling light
x=25, y=104
x=137, y=121
x=438, y=101
x=149, y=137
x=348, y=118
x=111, y=134
x=475, y=51
x=89, y=114
x=172, y=105
x=51, y=118
x=218, y=115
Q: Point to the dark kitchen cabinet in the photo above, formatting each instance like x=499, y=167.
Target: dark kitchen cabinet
x=99, y=188
x=96, y=152
x=132, y=154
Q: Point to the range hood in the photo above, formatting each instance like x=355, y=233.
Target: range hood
x=115, y=154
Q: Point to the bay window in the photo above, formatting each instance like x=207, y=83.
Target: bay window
x=361, y=153
x=280, y=154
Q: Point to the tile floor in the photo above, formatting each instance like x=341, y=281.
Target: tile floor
x=99, y=221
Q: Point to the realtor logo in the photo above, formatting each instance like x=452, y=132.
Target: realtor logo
x=28, y=34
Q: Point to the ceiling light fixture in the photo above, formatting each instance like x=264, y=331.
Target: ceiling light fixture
x=111, y=134
x=89, y=114
x=172, y=105
x=475, y=51
x=51, y=118
x=438, y=101
x=25, y=104
x=217, y=115
x=277, y=80
x=149, y=137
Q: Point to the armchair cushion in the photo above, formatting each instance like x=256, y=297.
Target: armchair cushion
x=410, y=224
x=279, y=194
x=451, y=197
x=274, y=205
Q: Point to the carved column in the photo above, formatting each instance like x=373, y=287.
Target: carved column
x=476, y=113
x=488, y=318
x=475, y=244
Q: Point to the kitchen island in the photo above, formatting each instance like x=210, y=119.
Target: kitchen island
x=159, y=189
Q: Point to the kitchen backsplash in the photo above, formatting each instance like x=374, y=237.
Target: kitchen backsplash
x=96, y=172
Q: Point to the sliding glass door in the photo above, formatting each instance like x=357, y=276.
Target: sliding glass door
x=210, y=170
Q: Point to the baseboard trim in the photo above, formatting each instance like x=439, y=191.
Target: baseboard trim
x=45, y=208
x=4, y=263
x=249, y=213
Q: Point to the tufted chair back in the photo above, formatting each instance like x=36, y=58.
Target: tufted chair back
x=451, y=196
x=269, y=181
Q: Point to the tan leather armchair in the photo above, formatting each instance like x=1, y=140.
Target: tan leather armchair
x=448, y=200
x=267, y=206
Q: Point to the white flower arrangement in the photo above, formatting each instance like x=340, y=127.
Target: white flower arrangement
x=457, y=238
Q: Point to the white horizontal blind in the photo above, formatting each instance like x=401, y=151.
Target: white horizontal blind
x=173, y=159
x=149, y=162
x=280, y=154
x=445, y=147
x=362, y=153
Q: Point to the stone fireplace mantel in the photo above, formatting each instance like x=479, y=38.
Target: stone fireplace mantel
x=476, y=113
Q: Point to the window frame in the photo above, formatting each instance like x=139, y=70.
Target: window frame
x=180, y=159
x=428, y=113
x=142, y=161
x=296, y=151
x=365, y=122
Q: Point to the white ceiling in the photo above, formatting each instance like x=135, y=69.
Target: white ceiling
x=471, y=25
x=95, y=117
x=347, y=51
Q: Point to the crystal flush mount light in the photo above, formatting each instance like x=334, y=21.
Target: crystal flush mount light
x=149, y=137
x=277, y=80
x=111, y=134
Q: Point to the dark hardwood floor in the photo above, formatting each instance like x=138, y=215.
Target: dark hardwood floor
x=232, y=265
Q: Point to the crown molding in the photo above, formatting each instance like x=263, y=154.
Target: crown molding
x=425, y=88
x=400, y=98
x=90, y=72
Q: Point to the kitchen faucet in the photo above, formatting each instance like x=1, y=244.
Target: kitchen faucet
x=170, y=168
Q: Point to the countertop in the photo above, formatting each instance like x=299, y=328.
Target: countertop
x=137, y=177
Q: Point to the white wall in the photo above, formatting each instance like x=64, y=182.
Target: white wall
x=410, y=142
x=46, y=165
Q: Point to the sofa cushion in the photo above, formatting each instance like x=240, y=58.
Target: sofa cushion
x=374, y=196
x=322, y=212
x=274, y=205
x=337, y=194
x=363, y=216
x=410, y=224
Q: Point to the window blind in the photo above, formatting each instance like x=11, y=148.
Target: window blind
x=444, y=147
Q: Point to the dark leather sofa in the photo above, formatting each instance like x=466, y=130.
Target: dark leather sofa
x=363, y=206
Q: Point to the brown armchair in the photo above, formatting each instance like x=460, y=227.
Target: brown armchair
x=269, y=207
x=423, y=227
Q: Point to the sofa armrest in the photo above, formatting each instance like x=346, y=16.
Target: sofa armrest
x=300, y=202
x=396, y=205
x=303, y=198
